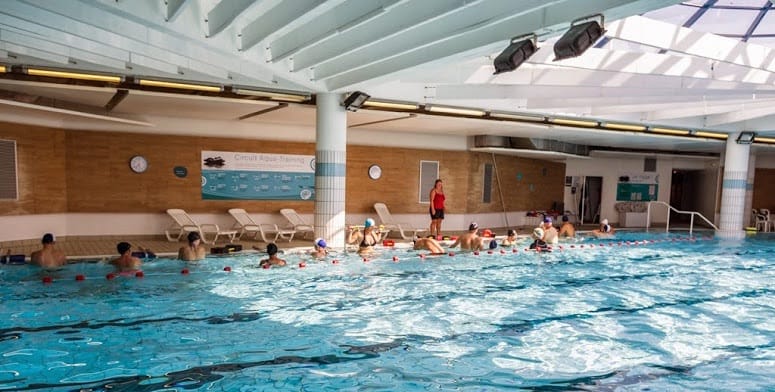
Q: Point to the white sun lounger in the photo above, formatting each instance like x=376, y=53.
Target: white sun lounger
x=184, y=224
x=403, y=228
x=297, y=222
x=269, y=232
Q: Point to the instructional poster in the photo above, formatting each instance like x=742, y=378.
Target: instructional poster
x=637, y=187
x=253, y=176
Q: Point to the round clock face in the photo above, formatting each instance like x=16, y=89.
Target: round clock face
x=138, y=164
x=375, y=172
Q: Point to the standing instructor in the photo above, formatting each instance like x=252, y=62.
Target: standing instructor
x=437, y=208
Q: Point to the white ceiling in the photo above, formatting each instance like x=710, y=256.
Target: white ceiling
x=423, y=51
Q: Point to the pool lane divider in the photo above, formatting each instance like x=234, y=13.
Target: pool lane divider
x=113, y=275
x=422, y=256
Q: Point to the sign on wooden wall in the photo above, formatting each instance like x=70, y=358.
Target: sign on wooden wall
x=254, y=176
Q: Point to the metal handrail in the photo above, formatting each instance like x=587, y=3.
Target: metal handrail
x=667, y=222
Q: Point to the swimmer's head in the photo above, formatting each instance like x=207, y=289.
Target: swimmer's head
x=368, y=223
x=123, y=247
x=271, y=249
x=320, y=243
x=48, y=238
x=538, y=233
x=193, y=236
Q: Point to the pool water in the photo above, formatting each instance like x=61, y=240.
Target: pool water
x=641, y=311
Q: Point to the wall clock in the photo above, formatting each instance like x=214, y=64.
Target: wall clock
x=138, y=164
x=375, y=172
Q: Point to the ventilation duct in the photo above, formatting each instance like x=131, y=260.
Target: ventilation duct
x=529, y=144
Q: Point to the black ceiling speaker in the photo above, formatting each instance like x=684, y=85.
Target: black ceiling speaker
x=354, y=101
x=519, y=50
x=578, y=38
x=746, y=137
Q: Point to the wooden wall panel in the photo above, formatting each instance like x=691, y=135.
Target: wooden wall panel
x=41, y=156
x=99, y=175
x=526, y=184
x=764, y=189
x=83, y=171
x=399, y=185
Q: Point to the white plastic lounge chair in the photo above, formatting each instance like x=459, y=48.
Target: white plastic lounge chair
x=184, y=224
x=246, y=225
x=297, y=222
x=387, y=220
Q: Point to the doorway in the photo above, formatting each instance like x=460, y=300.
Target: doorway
x=692, y=190
x=589, y=205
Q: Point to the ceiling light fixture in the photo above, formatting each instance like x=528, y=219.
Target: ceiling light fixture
x=517, y=117
x=573, y=123
x=669, y=131
x=579, y=37
x=745, y=137
x=355, y=100
x=711, y=135
x=182, y=86
x=453, y=110
x=391, y=105
x=73, y=75
x=519, y=50
x=273, y=95
x=625, y=127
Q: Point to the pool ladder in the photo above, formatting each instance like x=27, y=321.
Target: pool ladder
x=671, y=208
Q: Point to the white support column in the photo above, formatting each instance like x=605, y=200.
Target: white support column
x=733, y=189
x=331, y=162
x=748, y=220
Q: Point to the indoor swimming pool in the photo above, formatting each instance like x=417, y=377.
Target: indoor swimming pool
x=636, y=312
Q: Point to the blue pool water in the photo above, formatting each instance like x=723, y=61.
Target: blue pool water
x=666, y=314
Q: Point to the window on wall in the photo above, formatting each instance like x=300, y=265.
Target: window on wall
x=487, y=184
x=8, y=182
x=429, y=172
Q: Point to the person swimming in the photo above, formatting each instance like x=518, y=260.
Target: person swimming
x=538, y=243
x=320, y=248
x=511, y=238
x=605, y=229
x=366, y=239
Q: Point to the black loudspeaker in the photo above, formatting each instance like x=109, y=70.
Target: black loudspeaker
x=514, y=55
x=577, y=39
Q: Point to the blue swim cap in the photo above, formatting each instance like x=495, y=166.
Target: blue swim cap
x=321, y=243
x=493, y=244
x=369, y=222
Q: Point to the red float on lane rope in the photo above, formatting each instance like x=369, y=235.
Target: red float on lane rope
x=79, y=277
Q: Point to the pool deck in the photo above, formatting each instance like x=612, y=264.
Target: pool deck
x=104, y=247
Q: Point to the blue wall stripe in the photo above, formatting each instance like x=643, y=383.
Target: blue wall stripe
x=323, y=169
x=735, y=184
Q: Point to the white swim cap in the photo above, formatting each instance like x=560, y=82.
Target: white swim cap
x=604, y=222
x=538, y=233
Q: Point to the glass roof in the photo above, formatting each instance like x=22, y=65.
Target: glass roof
x=747, y=20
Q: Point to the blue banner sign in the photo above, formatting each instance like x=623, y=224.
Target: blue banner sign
x=254, y=176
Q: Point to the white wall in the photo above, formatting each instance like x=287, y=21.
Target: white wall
x=610, y=168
